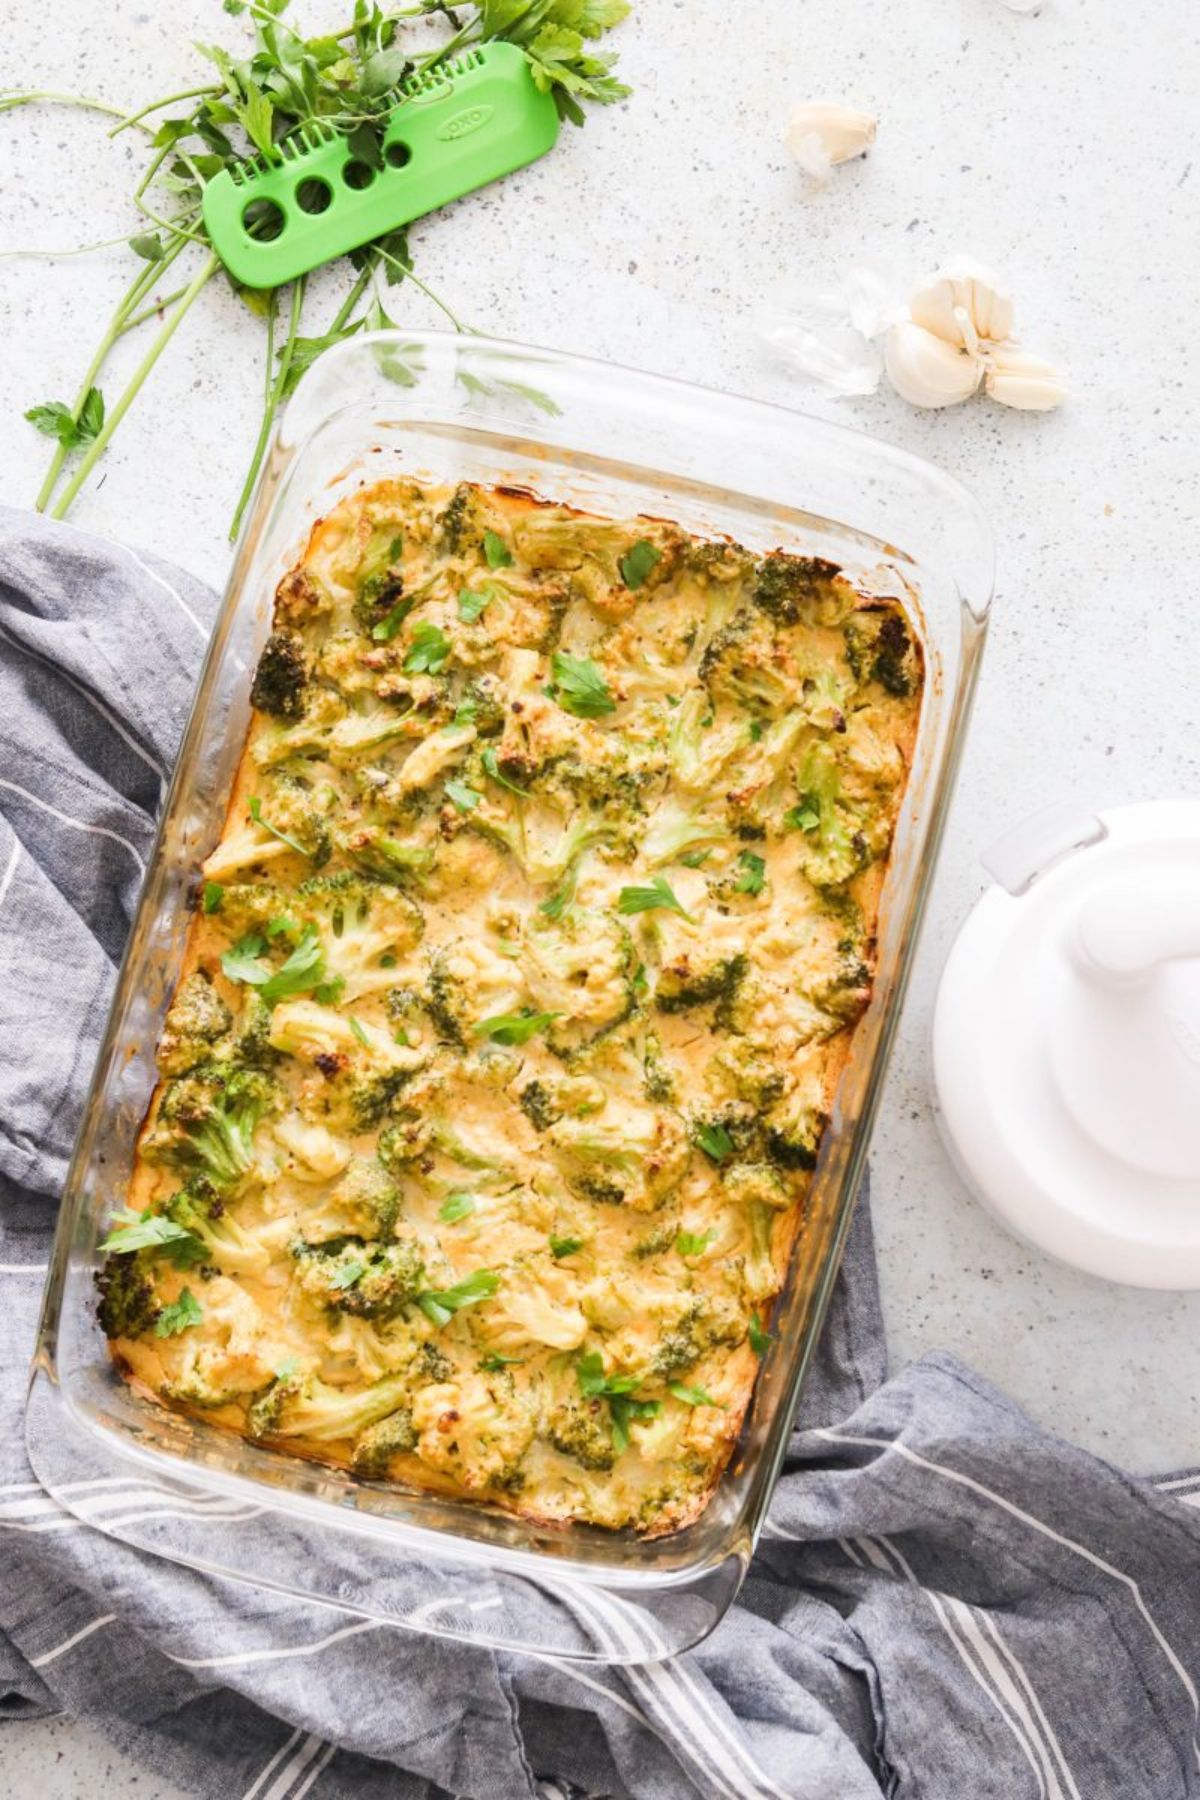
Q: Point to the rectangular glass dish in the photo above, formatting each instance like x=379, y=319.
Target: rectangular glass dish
x=444, y=409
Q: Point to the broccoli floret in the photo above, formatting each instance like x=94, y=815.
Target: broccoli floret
x=251, y=1043
x=220, y=1240
x=879, y=648
x=732, y=1130
x=281, y=677
x=689, y=981
x=792, y=1134
x=368, y=1281
x=653, y=1243
x=755, y=1184
x=675, y=832
x=263, y=1414
x=538, y=1105
x=127, y=1305
x=657, y=1079
x=706, y=1323
x=301, y=811
x=581, y=1429
x=552, y=1097
x=698, y=748
x=197, y=1018
x=745, y=667
x=754, y=1076
x=380, y=585
x=407, y=1136
x=636, y=1158
x=387, y=857
x=446, y=1002
x=375, y=1448
x=462, y=524
x=481, y=704
x=433, y=1364
x=362, y=923
x=373, y=1095
x=316, y=1410
x=363, y=1203
x=833, y=849
x=207, y=1119
x=250, y=906
x=792, y=588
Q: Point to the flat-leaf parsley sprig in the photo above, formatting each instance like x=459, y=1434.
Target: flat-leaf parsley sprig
x=254, y=98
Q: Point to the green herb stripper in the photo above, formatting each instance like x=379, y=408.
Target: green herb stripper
x=453, y=128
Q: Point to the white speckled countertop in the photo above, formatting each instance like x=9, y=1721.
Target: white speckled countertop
x=1056, y=147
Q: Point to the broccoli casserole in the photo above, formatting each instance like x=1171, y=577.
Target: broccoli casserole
x=517, y=992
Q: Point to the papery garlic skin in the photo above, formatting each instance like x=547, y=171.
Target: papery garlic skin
x=925, y=370
x=829, y=331
x=1017, y=378
x=822, y=133
x=964, y=305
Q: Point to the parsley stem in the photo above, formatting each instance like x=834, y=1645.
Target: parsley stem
x=155, y=309
x=410, y=274
x=97, y=448
x=15, y=98
x=353, y=297
x=274, y=395
x=134, y=294
x=135, y=118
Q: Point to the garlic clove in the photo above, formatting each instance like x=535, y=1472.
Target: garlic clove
x=822, y=133
x=1016, y=378
x=964, y=305
x=927, y=371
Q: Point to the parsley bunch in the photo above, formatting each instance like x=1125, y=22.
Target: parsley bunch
x=255, y=98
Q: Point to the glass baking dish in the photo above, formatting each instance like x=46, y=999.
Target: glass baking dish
x=448, y=408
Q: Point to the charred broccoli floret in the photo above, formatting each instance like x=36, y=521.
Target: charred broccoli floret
x=690, y=981
x=537, y=1104
x=792, y=588
x=368, y=1281
x=196, y=1019
x=581, y=1429
x=792, y=1134
x=375, y=1448
x=281, y=677
x=879, y=648
x=207, y=1119
x=127, y=1304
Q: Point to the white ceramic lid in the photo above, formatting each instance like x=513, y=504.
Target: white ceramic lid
x=1067, y=1040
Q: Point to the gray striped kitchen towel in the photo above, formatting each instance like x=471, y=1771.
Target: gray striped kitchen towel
x=948, y=1603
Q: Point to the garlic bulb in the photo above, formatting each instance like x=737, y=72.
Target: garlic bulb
x=823, y=133
x=965, y=305
x=927, y=371
x=1016, y=378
